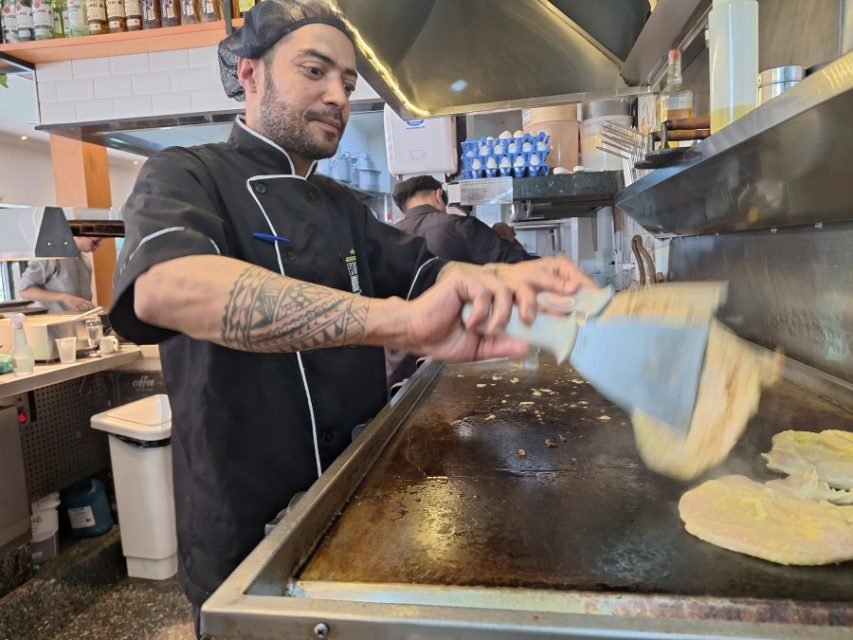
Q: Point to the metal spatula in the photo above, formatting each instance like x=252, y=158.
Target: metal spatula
x=635, y=363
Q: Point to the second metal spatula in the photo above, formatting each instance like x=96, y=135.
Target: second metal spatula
x=636, y=363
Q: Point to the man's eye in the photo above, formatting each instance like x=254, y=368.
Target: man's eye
x=315, y=71
x=349, y=88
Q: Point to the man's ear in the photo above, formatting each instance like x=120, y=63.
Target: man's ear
x=249, y=74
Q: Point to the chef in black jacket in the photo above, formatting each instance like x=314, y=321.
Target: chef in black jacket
x=424, y=204
x=271, y=290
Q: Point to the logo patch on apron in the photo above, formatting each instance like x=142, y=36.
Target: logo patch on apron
x=352, y=268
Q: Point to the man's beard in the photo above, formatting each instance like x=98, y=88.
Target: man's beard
x=289, y=129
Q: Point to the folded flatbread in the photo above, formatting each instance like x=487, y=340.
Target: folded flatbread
x=729, y=387
x=767, y=521
x=809, y=486
x=828, y=453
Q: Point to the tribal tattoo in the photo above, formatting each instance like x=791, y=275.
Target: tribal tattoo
x=266, y=313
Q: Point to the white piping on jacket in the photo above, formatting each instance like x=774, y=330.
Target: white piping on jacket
x=260, y=136
x=281, y=270
x=157, y=234
x=417, y=275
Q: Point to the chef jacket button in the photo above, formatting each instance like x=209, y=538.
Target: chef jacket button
x=326, y=436
x=260, y=188
x=311, y=195
x=290, y=256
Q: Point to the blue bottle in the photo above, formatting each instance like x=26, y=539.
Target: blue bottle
x=88, y=508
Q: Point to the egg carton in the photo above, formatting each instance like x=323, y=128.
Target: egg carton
x=519, y=156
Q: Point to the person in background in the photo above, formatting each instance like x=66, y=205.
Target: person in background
x=62, y=284
x=272, y=290
x=423, y=201
x=507, y=233
x=467, y=239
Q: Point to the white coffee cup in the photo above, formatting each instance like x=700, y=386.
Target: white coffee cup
x=107, y=345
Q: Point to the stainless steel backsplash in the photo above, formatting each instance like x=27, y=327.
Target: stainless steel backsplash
x=790, y=288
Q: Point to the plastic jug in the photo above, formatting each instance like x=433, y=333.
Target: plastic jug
x=88, y=508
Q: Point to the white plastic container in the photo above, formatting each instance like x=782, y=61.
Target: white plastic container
x=420, y=146
x=141, y=456
x=44, y=522
x=733, y=44
x=592, y=158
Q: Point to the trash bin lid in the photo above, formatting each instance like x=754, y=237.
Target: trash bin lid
x=146, y=419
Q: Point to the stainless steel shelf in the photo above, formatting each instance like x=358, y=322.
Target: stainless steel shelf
x=786, y=163
x=543, y=197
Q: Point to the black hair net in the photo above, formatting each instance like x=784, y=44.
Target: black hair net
x=263, y=26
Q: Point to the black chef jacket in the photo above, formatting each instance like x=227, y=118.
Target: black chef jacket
x=463, y=238
x=242, y=435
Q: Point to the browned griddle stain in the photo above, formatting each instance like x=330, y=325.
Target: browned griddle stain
x=452, y=501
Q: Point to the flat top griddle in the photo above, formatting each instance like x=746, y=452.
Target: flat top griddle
x=451, y=502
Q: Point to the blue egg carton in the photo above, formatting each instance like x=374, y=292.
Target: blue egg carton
x=525, y=154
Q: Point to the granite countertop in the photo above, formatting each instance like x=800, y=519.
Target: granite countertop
x=84, y=593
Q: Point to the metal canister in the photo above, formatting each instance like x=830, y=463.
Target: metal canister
x=773, y=82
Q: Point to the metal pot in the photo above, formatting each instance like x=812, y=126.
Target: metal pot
x=774, y=82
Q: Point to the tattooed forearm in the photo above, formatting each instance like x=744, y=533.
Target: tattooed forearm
x=267, y=313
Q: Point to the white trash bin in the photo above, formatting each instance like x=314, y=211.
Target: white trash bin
x=141, y=452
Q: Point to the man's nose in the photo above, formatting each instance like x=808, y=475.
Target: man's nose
x=336, y=93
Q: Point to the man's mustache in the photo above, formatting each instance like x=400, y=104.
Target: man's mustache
x=327, y=115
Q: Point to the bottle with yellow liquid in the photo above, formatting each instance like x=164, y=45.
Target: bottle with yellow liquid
x=674, y=102
x=733, y=27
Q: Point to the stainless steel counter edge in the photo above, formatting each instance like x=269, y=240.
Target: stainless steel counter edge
x=48, y=374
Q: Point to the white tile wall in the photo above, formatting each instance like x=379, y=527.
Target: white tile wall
x=203, y=57
x=138, y=85
x=95, y=110
x=54, y=71
x=133, y=107
x=113, y=87
x=174, y=102
x=142, y=84
x=91, y=68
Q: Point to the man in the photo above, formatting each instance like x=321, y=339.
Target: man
x=271, y=289
x=467, y=239
x=63, y=284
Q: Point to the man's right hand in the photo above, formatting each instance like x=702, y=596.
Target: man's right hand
x=433, y=321
x=76, y=303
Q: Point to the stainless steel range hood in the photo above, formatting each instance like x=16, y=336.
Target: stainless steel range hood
x=447, y=57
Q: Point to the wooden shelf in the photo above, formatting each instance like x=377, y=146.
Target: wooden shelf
x=187, y=36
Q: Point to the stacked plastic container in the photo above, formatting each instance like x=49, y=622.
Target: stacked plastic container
x=519, y=155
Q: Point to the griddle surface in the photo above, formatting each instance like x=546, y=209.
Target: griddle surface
x=450, y=501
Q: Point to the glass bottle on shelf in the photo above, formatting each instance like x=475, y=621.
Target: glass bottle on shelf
x=674, y=102
x=170, y=13
x=42, y=20
x=211, y=10
x=116, y=19
x=76, y=23
x=59, y=15
x=10, y=21
x=24, y=17
x=150, y=14
x=96, y=17
x=133, y=14
x=190, y=13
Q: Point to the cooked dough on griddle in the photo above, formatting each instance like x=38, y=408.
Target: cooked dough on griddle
x=829, y=453
x=808, y=485
x=729, y=386
x=768, y=522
